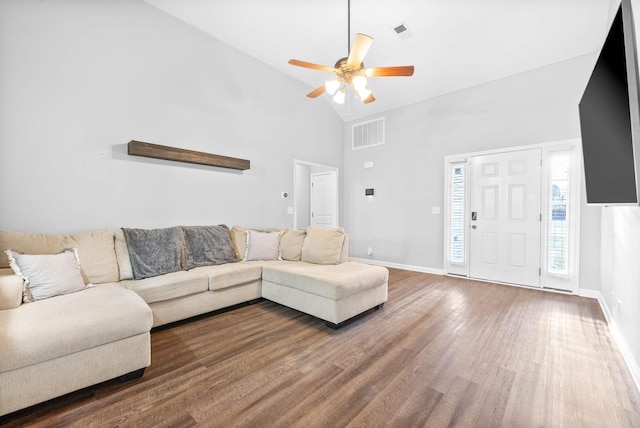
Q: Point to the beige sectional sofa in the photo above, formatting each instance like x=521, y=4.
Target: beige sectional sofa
x=59, y=344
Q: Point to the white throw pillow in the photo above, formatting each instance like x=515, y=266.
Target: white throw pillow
x=262, y=245
x=47, y=275
x=238, y=237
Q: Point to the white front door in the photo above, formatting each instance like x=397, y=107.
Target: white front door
x=504, y=234
x=323, y=199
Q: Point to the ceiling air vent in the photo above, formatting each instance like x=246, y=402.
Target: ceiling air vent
x=367, y=134
x=403, y=31
x=400, y=29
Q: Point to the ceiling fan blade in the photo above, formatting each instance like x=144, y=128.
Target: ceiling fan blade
x=369, y=99
x=316, y=92
x=361, y=45
x=312, y=65
x=406, y=70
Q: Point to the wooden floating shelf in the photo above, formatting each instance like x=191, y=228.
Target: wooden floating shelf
x=156, y=151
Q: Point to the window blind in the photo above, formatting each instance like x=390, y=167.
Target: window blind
x=457, y=234
x=559, y=224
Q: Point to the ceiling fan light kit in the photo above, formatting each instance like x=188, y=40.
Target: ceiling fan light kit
x=350, y=71
x=332, y=86
x=339, y=96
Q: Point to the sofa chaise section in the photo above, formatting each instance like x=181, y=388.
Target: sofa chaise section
x=55, y=346
x=334, y=293
x=65, y=342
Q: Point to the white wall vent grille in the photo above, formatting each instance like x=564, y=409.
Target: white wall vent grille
x=367, y=134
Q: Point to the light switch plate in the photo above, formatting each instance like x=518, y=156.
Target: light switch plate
x=435, y=210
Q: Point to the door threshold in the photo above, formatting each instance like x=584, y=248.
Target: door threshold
x=530, y=287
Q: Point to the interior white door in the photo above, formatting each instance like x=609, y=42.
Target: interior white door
x=505, y=217
x=324, y=199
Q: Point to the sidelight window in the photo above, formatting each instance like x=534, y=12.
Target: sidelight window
x=457, y=221
x=559, y=224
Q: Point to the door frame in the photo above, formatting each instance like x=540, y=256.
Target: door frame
x=548, y=281
x=302, y=192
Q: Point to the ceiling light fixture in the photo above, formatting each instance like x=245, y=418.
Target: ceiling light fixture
x=339, y=96
x=350, y=71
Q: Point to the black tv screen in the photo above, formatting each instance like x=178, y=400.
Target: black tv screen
x=609, y=119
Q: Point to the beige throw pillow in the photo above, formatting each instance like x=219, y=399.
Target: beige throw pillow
x=291, y=244
x=323, y=245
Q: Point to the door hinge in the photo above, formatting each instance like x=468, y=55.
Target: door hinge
x=540, y=216
x=539, y=271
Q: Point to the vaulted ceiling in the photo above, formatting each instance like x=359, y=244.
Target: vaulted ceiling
x=453, y=44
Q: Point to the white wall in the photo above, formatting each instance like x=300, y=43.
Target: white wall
x=533, y=107
x=80, y=79
x=620, y=270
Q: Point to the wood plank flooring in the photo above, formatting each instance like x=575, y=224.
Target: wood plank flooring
x=442, y=352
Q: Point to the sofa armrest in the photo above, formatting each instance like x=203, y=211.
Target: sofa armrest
x=10, y=289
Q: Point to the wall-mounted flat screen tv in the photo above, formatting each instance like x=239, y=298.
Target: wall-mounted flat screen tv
x=610, y=118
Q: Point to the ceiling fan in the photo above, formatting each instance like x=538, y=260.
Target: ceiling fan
x=350, y=70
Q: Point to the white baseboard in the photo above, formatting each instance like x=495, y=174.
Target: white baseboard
x=421, y=269
x=632, y=364
x=591, y=294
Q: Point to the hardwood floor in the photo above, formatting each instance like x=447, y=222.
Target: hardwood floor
x=442, y=352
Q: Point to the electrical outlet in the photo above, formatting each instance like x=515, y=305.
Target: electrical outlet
x=369, y=251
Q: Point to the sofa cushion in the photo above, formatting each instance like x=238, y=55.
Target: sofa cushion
x=97, y=255
x=47, y=275
x=291, y=244
x=331, y=281
x=122, y=255
x=323, y=245
x=207, y=245
x=231, y=274
x=30, y=243
x=154, y=252
x=51, y=328
x=262, y=245
x=96, y=250
x=168, y=286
